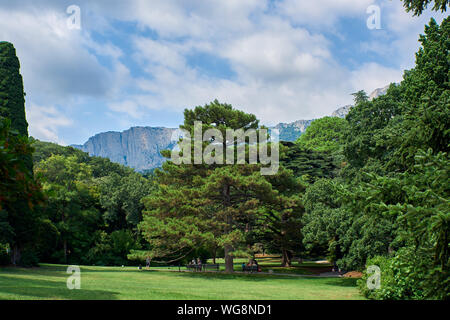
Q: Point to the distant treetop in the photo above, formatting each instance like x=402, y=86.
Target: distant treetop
x=418, y=6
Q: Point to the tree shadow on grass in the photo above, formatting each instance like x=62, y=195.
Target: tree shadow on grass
x=215, y=276
x=342, y=282
x=85, y=269
x=53, y=271
x=28, y=289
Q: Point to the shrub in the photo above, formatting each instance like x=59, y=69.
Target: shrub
x=5, y=258
x=403, y=277
x=28, y=259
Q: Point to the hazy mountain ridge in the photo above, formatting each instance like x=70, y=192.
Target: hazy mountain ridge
x=139, y=147
x=291, y=131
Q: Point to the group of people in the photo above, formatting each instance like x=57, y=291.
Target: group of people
x=253, y=263
x=148, y=260
x=196, y=263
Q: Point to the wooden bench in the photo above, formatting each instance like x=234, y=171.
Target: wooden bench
x=202, y=267
x=194, y=267
x=250, y=268
x=211, y=267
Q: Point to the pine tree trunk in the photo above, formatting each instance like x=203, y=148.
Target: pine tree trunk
x=214, y=255
x=65, y=251
x=15, y=254
x=228, y=258
x=250, y=259
x=286, y=259
x=228, y=248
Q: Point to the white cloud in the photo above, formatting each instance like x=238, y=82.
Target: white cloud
x=159, y=53
x=44, y=122
x=53, y=60
x=371, y=76
x=321, y=13
x=399, y=39
x=59, y=66
x=283, y=73
x=279, y=53
x=201, y=19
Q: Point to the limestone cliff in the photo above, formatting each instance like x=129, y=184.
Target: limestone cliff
x=137, y=147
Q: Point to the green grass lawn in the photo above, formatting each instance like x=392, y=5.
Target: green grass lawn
x=49, y=282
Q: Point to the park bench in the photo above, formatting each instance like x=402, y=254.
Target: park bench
x=203, y=267
x=194, y=267
x=211, y=267
x=250, y=268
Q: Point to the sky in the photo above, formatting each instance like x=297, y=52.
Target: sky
x=142, y=62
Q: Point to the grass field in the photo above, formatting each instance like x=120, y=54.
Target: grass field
x=111, y=283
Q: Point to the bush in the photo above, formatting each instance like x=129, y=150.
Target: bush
x=5, y=258
x=383, y=263
x=28, y=259
x=112, y=249
x=403, y=277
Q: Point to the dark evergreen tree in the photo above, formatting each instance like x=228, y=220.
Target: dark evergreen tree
x=307, y=163
x=12, y=107
x=217, y=204
x=12, y=97
x=418, y=6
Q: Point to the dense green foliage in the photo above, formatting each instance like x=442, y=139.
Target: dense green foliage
x=418, y=6
x=324, y=134
x=93, y=207
x=20, y=193
x=389, y=203
x=421, y=210
x=307, y=164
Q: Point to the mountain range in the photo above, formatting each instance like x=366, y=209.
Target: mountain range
x=139, y=147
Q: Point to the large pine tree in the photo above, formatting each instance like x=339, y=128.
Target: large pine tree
x=215, y=204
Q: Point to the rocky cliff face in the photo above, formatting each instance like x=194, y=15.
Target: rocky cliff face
x=378, y=92
x=139, y=147
x=291, y=131
x=342, y=111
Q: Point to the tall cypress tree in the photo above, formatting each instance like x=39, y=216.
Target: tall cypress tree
x=12, y=97
x=20, y=214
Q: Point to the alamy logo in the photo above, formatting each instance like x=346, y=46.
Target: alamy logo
x=74, y=21
x=74, y=281
x=374, y=281
x=234, y=143
x=374, y=20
